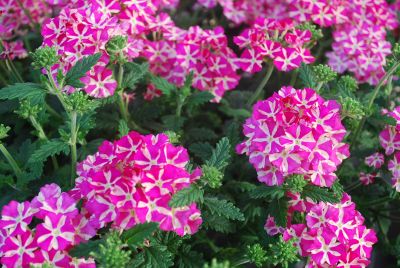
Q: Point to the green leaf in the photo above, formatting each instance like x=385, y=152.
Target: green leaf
x=187, y=196
x=318, y=194
x=134, y=237
x=173, y=122
x=221, y=154
x=80, y=69
x=201, y=134
x=202, y=150
x=267, y=192
x=155, y=256
x=162, y=84
x=223, y=208
x=21, y=91
x=123, y=128
x=50, y=148
x=84, y=249
x=307, y=76
x=199, y=98
x=278, y=209
x=133, y=74
x=217, y=223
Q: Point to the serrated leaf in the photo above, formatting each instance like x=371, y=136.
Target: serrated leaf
x=50, y=148
x=202, y=150
x=79, y=70
x=84, y=249
x=134, y=237
x=221, y=154
x=187, y=196
x=21, y=91
x=156, y=256
x=199, y=98
x=223, y=208
x=217, y=223
x=307, y=76
x=235, y=113
x=267, y=192
x=318, y=194
x=162, y=84
x=133, y=74
x=123, y=128
x=278, y=209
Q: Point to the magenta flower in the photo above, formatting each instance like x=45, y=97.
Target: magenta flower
x=295, y=132
x=15, y=217
x=368, y=178
x=271, y=228
x=55, y=233
x=375, y=160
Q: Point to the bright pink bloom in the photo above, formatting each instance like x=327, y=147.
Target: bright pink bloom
x=367, y=178
x=375, y=160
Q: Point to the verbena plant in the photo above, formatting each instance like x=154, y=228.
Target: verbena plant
x=214, y=133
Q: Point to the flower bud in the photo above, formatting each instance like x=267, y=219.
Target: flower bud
x=4, y=131
x=44, y=57
x=115, y=48
x=324, y=73
x=212, y=176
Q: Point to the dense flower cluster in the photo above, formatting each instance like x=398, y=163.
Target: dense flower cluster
x=390, y=141
x=333, y=235
x=295, y=132
x=85, y=28
x=13, y=50
x=277, y=40
x=132, y=180
x=59, y=227
x=359, y=28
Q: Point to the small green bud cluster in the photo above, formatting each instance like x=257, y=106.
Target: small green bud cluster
x=115, y=48
x=216, y=264
x=4, y=131
x=44, y=57
x=296, y=183
x=323, y=73
x=80, y=102
x=351, y=108
x=347, y=82
x=26, y=109
x=316, y=33
x=174, y=137
x=111, y=253
x=257, y=254
x=282, y=252
x=213, y=176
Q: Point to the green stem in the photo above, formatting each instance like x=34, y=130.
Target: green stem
x=11, y=161
x=74, y=133
x=319, y=86
x=260, y=87
x=353, y=186
x=371, y=101
x=42, y=136
x=55, y=90
x=179, y=106
x=13, y=70
x=52, y=111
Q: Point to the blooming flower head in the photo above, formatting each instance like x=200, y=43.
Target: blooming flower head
x=277, y=40
x=295, y=132
x=375, y=160
x=368, y=178
x=333, y=235
x=131, y=181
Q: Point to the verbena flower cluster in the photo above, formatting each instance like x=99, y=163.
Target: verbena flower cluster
x=277, y=40
x=132, y=180
x=85, y=28
x=43, y=231
x=333, y=235
x=295, y=132
x=390, y=141
x=359, y=28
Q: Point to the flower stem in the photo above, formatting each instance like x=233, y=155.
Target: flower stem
x=42, y=136
x=11, y=161
x=55, y=90
x=73, y=139
x=319, y=86
x=260, y=87
x=371, y=101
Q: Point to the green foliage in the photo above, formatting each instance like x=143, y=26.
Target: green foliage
x=84, y=250
x=80, y=69
x=123, y=128
x=267, y=192
x=162, y=84
x=215, y=264
x=4, y=131
x=187, y=196
x=282, y=253
x=80, y=102
x=278, y=209
x=154, y=256
x=318, y=194
x=199, y=98
x=135, y=236
x=133, y=74
x=24, y=91
x=323, y=73
x=221, y=155
x=202, y=150
x=307, y=76
x=49, y=148
x=296, y=183
x=213, y=176
x=115, y=48
x=223, y=208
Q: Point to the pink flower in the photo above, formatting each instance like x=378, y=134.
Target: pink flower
x=295, y=132
x=55, y=233
x=367, y=178
x=13, y=50
x=375, y=160
x=326, y=249
x=15, y=217
x=271, y=228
